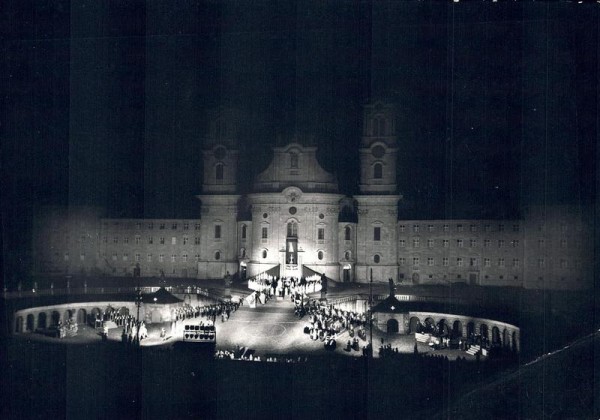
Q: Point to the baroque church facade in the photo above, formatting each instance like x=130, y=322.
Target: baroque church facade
x=295, y=222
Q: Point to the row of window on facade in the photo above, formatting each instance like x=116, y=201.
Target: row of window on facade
x=459, y=228
x=474, y=228
x=473, y=243
x=161, y=225
x=487, y=262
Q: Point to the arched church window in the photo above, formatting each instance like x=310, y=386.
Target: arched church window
x=219, y=172
x=382, y=127
x=217, y=255
x=320, y=255
x=293, y=160
x=292, y=229
x=378, y=171
x=264, y=253
x=376, y=258
x=347, y=233
x=221, y=129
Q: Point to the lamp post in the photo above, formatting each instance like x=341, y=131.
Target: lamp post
x=371, y=313
x=138, y=303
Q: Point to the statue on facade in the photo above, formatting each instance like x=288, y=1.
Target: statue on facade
x=392, y=287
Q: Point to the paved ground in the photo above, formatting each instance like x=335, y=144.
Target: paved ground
x=270, y=329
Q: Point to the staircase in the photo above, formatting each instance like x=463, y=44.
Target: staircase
x=473, y=350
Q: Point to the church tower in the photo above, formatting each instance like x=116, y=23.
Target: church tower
x=378, y=150
x=376, y=252
x=221, y=152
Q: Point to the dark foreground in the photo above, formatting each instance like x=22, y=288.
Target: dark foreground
x=44, y=380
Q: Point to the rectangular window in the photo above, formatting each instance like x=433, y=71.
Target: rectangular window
x=321, y=234
x=197, y=226
x=173, y=240
x=197, y=240
x=149, y=257
x=185, y=240
x=487, y=262
x=500, y=243
x=161, y=258
x=473, y=262
x=173, y=258
x=430, y=228
x=500, y=262
x=162, y=226
x=515, y=243
x=415, y=228
x=415, y=242
x=186, y=226
x=150, y=225
x=184, y=256
x=459, y=228
x=446, y=228
x=402, y=243
x=459, y=262
x=125, y=257
x=402, y=261
x=138, y=225
x=486, y=243
x=197, y=257
x=126, y=240
x=459, y=243
x=473, y=243
x=137, y=240
x=430, y=262
x=265, y=233
x=174, y=226
x=430, y=243
x=445, y=242
x=445, y=261
x=416, y=261
x=473, y=228
x=150, y=240
x=217, y=231
x=162, y=241
x=137, y=257
x=486, y=228
x=515, y=263
x=402, y=228
x=377, y=234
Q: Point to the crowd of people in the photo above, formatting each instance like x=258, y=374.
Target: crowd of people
x=285, y=286
x=69, y=328
x=326, y=323
x=221, y=309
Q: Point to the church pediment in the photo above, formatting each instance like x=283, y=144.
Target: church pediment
x=295, y=165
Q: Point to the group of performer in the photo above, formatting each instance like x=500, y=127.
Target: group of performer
x=284, y=286
x=68, y=328
x=222, y=309
x=326, y=323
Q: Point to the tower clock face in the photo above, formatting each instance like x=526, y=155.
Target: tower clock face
x=378, y=151
x=220, y=153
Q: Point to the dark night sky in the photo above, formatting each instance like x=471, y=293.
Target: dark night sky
x=104, y=102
